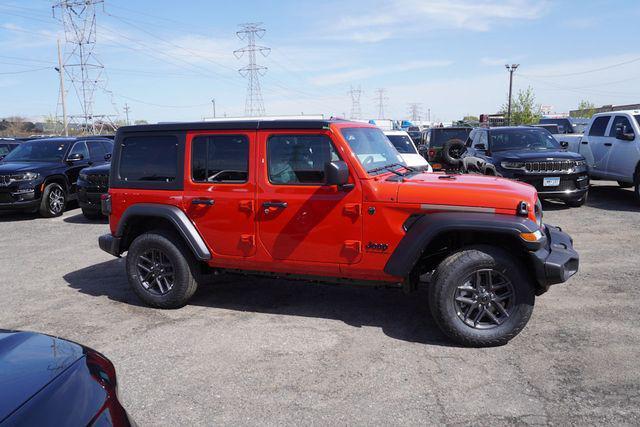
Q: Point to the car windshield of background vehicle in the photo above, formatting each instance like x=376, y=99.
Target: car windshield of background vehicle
x=38, y=151
x=440, y=136
x=373, y=149
x=403, y=144
x=522, y=139
x=4, y=149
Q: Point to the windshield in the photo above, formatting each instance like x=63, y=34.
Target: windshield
x=522, y=139
x=5, y=148
x=38, y=151
x=372, y=148
x=440, y=136
x=403, y=144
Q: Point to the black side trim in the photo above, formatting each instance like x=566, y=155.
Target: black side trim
x=429, y=226
x=174, y=215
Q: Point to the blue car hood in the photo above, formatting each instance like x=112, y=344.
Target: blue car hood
x=28, y=362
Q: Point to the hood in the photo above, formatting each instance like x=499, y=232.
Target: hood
x=535, y=155
x=465, y=190
x=13, y=167
x=102, y=169
x=413, y=159
x=28, y=362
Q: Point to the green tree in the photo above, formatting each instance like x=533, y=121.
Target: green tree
x=586, y=109
x=470, y=119
x=524, y=110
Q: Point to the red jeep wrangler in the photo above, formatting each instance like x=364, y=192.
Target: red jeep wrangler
x=331, y=201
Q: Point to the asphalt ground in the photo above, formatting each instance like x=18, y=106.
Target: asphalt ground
x=251, y=351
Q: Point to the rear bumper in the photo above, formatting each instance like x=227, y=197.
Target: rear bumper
x=556, y=261
x=110, y=244
x=89, y=200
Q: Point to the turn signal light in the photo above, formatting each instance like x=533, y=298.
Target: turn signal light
x=532, y=237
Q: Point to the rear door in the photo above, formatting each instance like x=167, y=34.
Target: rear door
x=594, y=146
x=299, y=217
x=219, y=194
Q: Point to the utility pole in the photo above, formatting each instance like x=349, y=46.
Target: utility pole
x=381, y=98
x=254, y=105
x=213, y=101
x=356, y=111
x=415, y=111
x=126, y=111
x=63, y=101
x=429, y=115
x=510, y=69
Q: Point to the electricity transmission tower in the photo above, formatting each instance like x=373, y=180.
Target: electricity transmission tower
x=381, y=99
x=415, y=111
x=254, y=104
x=356, y=111
x=81, y=66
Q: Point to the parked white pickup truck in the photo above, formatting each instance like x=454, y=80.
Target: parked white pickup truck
x=611, y=146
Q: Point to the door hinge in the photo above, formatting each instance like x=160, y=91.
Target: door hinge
x=246, y=205
x=352, y=209
x=353, y=246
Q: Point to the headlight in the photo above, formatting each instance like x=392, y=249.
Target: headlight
x=512, y=165
x=539, y=213
x=581, y=162
x=26, y=176
x=83, y=176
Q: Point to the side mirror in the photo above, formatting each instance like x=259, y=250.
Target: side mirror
x=107, y=156
x=623, y=133
x=76, y=157
x=336, y=173
x=564, y=144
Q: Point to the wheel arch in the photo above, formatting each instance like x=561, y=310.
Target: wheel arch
x=141, y=218
x=432, y=237
x=58, y=179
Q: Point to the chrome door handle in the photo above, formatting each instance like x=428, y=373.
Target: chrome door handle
x=206, y=202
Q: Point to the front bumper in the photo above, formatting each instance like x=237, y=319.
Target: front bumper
x=110, y=244
x=572, y=186
x=90, y=199
x=556, y=261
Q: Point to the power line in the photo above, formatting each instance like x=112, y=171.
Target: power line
x=595, y=70
x=26, y=71
x=254, y=104
x=381, y=99
x=356, y=111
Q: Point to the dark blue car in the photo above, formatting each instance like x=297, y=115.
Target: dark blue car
x=531, y=155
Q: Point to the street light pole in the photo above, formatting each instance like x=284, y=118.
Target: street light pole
x=213, y=101
x=511, y=69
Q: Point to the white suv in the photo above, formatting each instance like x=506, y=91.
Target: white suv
x=611, y=146
x=407, y=149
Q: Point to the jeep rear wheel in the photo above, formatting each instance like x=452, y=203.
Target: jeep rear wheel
x=161, y=270
x=481, y=296
x=54, y=200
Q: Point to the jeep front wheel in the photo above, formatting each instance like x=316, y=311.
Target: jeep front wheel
x=161, y=270
x=481, y=296
x=54, y=200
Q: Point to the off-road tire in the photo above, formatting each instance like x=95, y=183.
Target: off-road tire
x=446, y=155
x=46, y=209
x=185, y=268
x=91, y=214
x=576, y=203
x=452, y=272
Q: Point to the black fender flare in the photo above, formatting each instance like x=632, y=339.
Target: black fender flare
x=58, y=177
x=175, y=216
x=429, y=226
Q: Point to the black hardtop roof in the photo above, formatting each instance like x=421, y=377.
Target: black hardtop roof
x=230, y=125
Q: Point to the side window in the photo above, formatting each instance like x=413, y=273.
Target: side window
x=599, y=126
x=299, y=159
x=108, y=147
x=80, y=148
x=96, y=149
x=619, y=122
x=481, y=138
x=220, y=158
x=149, y=158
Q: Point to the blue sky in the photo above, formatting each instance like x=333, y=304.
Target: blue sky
x=168, y=59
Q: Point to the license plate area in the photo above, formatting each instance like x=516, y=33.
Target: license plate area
x=551, y=181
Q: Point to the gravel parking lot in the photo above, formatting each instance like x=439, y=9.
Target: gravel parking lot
x=265, y=351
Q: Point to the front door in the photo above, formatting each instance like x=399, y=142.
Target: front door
x=596, y=143
x=624, y=154
x=299, y=217
x=220, y=190
x=74, y=168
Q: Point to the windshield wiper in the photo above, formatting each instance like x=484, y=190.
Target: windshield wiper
x=387, y=167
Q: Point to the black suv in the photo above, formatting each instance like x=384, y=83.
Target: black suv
x=7, y=145
x=532, y=155
x=92, y=184
x=41, y=174
x=442, y=147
